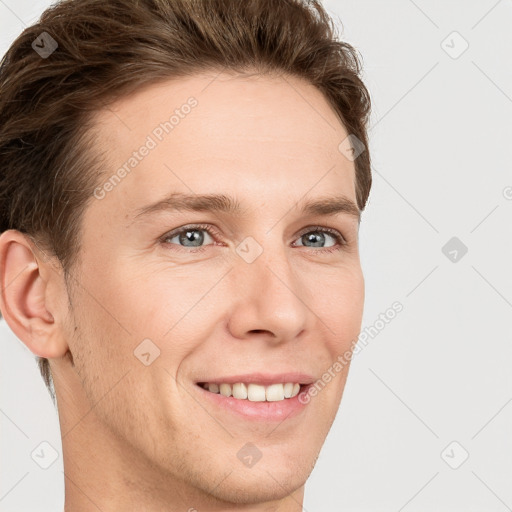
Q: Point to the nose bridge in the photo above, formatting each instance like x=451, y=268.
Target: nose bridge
x=268, y=295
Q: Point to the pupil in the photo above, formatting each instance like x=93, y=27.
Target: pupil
x=319, y=236
x=193, y=235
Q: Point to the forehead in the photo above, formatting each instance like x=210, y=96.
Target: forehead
x=212, y=131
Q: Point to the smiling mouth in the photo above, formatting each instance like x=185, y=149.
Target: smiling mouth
x=255, y=392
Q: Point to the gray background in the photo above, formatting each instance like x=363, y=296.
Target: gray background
x=425, y=421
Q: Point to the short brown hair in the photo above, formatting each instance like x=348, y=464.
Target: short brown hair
x=108, y=49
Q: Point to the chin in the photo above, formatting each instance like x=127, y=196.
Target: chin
x=253, y=486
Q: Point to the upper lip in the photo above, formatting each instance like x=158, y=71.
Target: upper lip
x=263, y=378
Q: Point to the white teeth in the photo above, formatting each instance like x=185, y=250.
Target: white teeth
x=255, y=392
x=240, y=391
x=225, y=389
x=274, y=392
x=288, y=388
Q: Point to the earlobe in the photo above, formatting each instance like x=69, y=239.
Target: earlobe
x=24, y=297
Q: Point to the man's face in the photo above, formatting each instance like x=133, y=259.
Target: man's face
x=267, y=296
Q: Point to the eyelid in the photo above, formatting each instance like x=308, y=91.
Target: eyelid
x=212, y=231
x=334, y=232
x=193, y=227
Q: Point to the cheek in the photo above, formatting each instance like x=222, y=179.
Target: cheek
x=158, y=298
x=342, y=301
x=166, y=312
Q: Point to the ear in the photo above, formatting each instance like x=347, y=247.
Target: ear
x=26, y=303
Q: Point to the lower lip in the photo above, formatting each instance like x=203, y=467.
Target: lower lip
x=258, y=411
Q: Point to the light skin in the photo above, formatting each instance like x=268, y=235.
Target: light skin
x=139, y=437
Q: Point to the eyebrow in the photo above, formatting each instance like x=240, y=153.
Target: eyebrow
x=331, y=205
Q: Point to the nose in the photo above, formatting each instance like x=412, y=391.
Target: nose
x=269, y=300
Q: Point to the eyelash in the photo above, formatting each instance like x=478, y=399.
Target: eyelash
x=214, y=233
